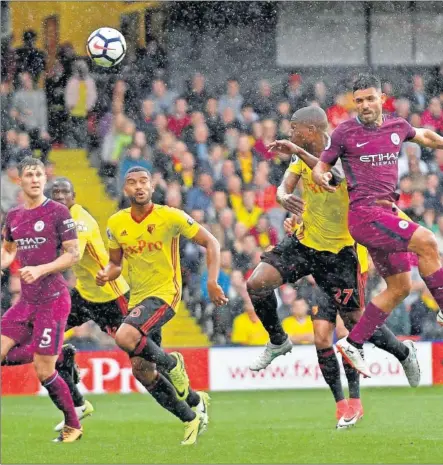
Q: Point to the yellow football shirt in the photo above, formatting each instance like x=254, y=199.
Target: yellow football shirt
x=245, y=331
x=293, y=327
x=94, y=257
x=248, y=218
x=151, y=249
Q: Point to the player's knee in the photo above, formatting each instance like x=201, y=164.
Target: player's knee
x=127, y=338
x=256, y=288
x=43, y=370
x=322, y=340
x=425, y=244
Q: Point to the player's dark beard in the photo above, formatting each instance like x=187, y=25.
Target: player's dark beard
x=138, y=202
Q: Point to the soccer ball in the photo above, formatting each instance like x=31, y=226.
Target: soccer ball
x=106, y=47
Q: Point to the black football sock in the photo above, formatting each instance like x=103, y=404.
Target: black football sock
x=330, y=369
x=384, y=339
x=353, y=377
x=193, y=398
x=151, y=352
x=265, y=307
x=357, y=345
x=164, y=393
x=78, y=399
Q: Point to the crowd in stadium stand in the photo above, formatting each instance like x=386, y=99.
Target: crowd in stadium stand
x=207, y=152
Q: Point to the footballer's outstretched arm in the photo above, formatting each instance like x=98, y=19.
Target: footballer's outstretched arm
x=212, y=246
x=113, y=269
x=322, y=175
x=428, y=138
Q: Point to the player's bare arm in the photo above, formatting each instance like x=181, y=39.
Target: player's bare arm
x=9, y=250
x=113, y=269
x=322, y=175
x=286, y=147
x=70, y=257
x=285, y=194
x=428, y=138
x=212, y=246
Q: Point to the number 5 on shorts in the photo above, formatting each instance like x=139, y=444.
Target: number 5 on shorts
x=46, y=339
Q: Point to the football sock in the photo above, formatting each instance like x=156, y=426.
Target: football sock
x=59, y=393
x=328, y=363
x=372, y=318
x=193, y=398
x=353, y=377
x=151, y=352
x=434, y=282
x=73, y=389
x=164, y=393
x=384, y=339
x=266, y=309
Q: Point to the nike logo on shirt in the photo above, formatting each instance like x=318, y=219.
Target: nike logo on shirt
x=361, y=145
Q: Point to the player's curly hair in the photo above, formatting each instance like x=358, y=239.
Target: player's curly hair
x=366, y=81
x=29, y=162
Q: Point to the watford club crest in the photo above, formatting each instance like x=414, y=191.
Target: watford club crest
x=151, y=228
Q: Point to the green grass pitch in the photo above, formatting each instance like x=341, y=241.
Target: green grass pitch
x=401, y=425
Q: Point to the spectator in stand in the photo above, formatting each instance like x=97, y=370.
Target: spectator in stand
x=229, y=121
x=337, y=113
x=234, y=187
x=269, y=135
x=432, y=117
x=228, y=171
x=286, y=296
x=163, y=98
x=265, y=193
x=429, y=217
x=248, y=213
x=227, y=222
x=10, y=187
x=321, y=95
x=131, y=158
x=247, y=118
x=18, y=147
x=434, y=189
x=283, y=111
x=294, y=92
x=197, y=119
x=197, y=95
x=435, y=85
x=245, y=159
x=265, y=235
x=299, y=325
x=80, y=99
x=417, y=207
x=180, y=119
x=213, y=121
x=389, y=105
x=161, y=126
x=163, y=160
x=200, y=197
x=263, y=100
x=187, y=174
x=216, y=161
x=29, y=58
x=200, y=145
x=417, y=96
x=151, y=60
x=174, y=197
x=232, y=99
x=30, y=112
x=178, y=150
x=403, y=108
x=146, y=121
x=405, y=192
x=411, y=157
x=55, y=83
x=50, y=177
x=247, y=329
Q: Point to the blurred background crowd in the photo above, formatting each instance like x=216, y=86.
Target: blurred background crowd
x=205, y=144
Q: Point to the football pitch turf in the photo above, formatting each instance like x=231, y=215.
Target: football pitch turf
x=401, y=425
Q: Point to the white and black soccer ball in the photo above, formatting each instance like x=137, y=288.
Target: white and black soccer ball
x=106, y=47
